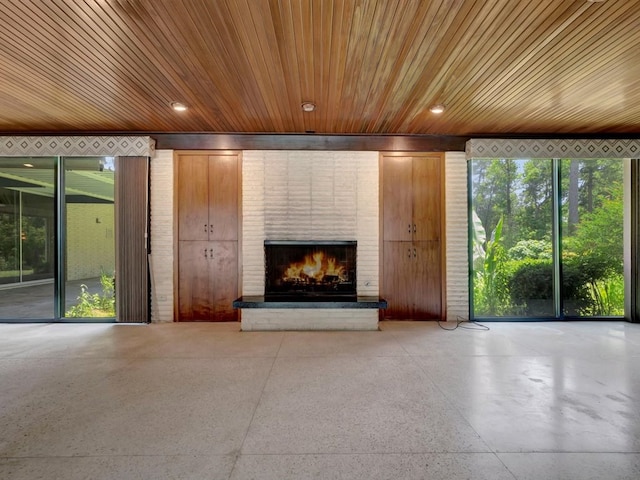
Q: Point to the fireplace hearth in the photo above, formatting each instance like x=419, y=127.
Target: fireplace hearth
x=310, y=270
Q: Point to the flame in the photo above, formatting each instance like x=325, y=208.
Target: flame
x=315, y=268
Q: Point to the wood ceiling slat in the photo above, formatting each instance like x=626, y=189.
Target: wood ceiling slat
x=466, y=114
x=371, y=66
x=280, y=13
x=159, y=43
x=256, y=93
x=181, y=32
x=33, y=75
x=268, y=51
x=467, y=58
x=534, y=84
x=362, y=26
x=485, y=69
x=332, y=104
x=50, y=32
x=465, y=27
x=223, y=61
x=81, y=28
x=497, y=54
x=450, y=27
x=394, y=18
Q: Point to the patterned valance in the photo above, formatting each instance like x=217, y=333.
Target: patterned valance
x=541, y=148
x=76, y=146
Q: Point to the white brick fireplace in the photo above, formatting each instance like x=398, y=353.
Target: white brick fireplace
x=302, y=195
x=309, y=195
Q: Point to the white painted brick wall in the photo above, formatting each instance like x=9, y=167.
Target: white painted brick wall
x=456, y=236
x=162, y=236
x=309, y=319
x=301, y=195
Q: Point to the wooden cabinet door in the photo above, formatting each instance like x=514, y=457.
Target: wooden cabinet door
x=194, y=285
x=412, y=220
x=427, y=286
x=426, y=198
x=223, y=259
x=223, y=197
x=193, y=197
x=208, y=186
x=397, y=283
x=397, y=186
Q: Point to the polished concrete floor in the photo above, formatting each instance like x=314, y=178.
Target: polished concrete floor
x=412, y=401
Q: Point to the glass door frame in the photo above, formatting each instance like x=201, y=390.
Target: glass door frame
x=631, y=287
x=60, y=254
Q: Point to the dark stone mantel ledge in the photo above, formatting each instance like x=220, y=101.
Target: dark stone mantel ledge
x=357, y=302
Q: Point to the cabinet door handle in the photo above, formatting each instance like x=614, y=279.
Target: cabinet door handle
x=414, y=228
x=205, y=253
x=415, y=253
x=210, y=228
x=409, y=229
x=211, y=252
x=408, y=252
x=205, y=228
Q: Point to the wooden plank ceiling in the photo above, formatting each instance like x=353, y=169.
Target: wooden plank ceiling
x=370, y=66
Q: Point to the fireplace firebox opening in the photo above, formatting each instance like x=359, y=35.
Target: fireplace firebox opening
x=310, y=270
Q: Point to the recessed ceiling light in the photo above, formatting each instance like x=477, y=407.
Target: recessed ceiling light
x=29, y=165
x=437, y=109
x=178, y=107
x=308, y=106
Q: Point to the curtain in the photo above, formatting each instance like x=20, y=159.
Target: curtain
x=131, y=218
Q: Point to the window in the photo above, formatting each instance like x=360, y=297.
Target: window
x=546, y=238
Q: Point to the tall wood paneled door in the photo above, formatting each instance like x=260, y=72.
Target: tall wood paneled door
x=411, y=255
x=208, y=213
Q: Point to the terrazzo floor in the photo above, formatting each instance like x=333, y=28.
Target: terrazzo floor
x=411, y=401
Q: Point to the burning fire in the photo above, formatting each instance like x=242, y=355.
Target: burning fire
x=316, y=268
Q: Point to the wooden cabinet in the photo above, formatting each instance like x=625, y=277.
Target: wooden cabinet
x=411, y=200
x=208, y=280
x=207, y=206
x=208, y=197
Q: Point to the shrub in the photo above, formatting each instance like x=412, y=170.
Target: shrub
x=531, y=249
x=531, y=286
x=589, y=288
x=95, y=304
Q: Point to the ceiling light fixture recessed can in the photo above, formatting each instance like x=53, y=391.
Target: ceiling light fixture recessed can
x=178, y=107
x=308, y=106
x=437, y=109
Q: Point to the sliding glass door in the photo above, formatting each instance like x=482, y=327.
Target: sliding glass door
x=57, y=252
x=592, y=237
x=89, y=245
x=27, y=238
x=546, y=238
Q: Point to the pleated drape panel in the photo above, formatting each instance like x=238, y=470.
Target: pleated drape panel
x=132, y=213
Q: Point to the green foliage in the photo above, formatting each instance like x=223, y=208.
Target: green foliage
x=587, y=289
x=534, y=249
x=489, y=279
x=609, y=294
x=599, y=236
x=495, y=197
x=95, y=304
x=9, y=245
x=534, y=212
x=513, y=272
x=531, y=278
